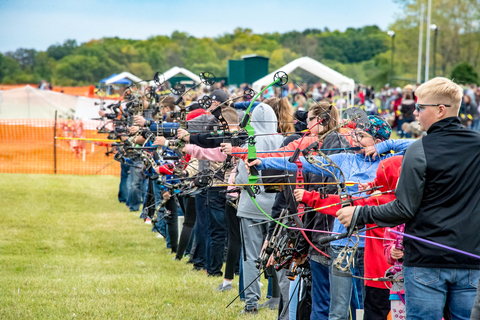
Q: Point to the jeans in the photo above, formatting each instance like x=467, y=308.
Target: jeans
x=201, y=258
x=171, y=222
x=218, y=228
x=138, y=189
x=320, y=290
x=342, y=285
x=427, y=290
x=475, y=125
x=293, y=297
x=123, y=188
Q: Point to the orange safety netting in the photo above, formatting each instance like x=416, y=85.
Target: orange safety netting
x=28, y=146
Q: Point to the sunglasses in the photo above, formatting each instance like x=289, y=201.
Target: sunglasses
x=419, y=106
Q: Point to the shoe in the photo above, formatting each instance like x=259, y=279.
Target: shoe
x=189, y=262
x=148, y=221
x=160, y=236
x=172, y=252
x=197, y=268
x=222, y=288
x=176, y=259
x=248, y=311
x=215, y=274
x=272, y=304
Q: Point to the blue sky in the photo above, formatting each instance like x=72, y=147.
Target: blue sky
x=40, y=23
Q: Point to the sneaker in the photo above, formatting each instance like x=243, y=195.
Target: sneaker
x=160, y=236
x=248, y=311
x=271, y=304
x=176, y=259
x=226, y=288
x=148, y=221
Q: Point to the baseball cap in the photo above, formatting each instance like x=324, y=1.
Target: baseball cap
x=219, y=95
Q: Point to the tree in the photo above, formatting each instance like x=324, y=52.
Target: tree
x=25, y=57
x=464, y=73
x=77, y=70
x=9, y=68
x=141, y=70
x=58, y=51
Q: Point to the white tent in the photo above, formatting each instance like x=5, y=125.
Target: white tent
x=176, y=70
x=123, y=75
x=343, y=83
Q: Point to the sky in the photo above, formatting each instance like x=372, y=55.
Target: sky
x=38, y=24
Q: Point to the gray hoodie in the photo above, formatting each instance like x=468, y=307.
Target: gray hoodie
x=246, y=207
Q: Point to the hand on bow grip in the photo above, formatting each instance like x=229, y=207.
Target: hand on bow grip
x=298, y=194
x=183, y=134
x=251, y=166
x=139, y=121
x=159, y=141
x=226, y=148
x=133, y=130
x=396, y=253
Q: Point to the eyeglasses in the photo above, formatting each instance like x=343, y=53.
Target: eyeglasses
x=419, y=106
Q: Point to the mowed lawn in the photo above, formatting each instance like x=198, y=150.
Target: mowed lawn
x=69, y=250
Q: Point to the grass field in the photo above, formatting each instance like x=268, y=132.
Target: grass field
x=69, y=250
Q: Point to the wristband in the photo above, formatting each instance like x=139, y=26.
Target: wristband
x=147, y=123
x=166, y=143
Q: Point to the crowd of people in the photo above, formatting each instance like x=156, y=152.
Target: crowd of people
x=350, y=171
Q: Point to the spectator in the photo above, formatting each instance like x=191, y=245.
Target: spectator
x=406, y=116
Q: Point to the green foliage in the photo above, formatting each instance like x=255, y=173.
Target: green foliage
x=58, y=51
x=464, y=73
x=71, y=251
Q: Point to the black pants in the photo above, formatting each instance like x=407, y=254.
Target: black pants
x=172, y=223
x=188, y=224
x=377, y=303
x=234, y=241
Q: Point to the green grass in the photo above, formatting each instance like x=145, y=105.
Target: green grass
x=69, y=250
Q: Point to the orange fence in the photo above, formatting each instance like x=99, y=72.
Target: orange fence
x=29, y=146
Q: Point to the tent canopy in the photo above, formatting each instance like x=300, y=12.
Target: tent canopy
x=122, y=76
x=343, y=83
x=120, y=81
x=176, y=70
